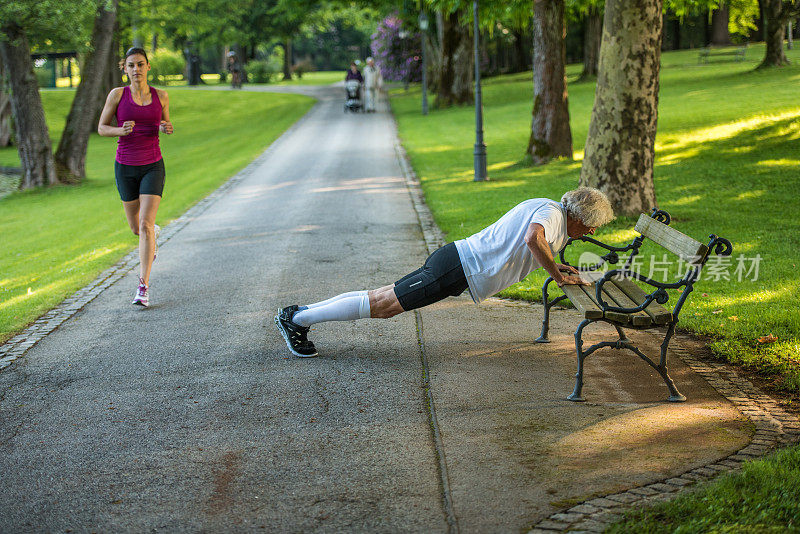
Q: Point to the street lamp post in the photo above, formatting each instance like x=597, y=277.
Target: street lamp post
x=423, y=25
x=480, y=147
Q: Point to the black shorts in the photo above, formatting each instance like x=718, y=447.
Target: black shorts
x=135, y=180
x=441, y=276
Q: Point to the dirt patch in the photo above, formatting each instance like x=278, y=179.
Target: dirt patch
x=224, y=476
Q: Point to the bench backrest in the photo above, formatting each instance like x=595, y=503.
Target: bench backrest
x=690, y=250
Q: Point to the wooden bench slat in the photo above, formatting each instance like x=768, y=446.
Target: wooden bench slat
x=656, y=311
x=617, y=317
x=624, y=301
x=690, y=250
x=581, y=300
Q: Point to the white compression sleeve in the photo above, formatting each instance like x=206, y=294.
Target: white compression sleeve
x=342, y=309
x=334, y=299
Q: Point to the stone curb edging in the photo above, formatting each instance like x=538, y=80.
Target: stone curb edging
x=18, y=345
x=774, y=426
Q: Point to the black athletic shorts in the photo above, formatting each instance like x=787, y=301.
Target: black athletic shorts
x=441, y=276
x=135, y=180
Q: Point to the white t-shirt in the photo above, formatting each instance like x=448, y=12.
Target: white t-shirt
x=372, y=77
x=497, y=256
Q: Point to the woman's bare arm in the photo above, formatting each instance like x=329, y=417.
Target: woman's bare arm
x=166, y=124
x=104, y=127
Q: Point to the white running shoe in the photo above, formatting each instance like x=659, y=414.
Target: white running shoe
x=157, y=229
x=142, y=297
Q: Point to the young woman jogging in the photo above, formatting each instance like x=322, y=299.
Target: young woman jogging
x=141, y=112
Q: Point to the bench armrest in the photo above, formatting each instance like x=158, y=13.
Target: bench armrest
x=612, y=256
x=717, y=245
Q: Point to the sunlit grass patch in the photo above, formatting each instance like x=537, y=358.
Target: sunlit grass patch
x=726, y=162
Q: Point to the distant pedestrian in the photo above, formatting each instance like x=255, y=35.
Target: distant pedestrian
x=354, y=74
x=235, y=68
x=141, y=112
x=373, y=81
x=526, y=238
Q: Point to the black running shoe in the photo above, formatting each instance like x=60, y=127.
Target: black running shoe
x=294, y=334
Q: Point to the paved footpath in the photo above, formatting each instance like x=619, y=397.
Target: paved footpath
x=191, y=415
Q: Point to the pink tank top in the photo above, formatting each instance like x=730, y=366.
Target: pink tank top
x=140, y=147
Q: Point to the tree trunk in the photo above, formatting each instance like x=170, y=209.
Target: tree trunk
x=758, y=33
x=434, y=55
x=522, y=60
x=287, y=60
x=112, y=75
x=33, y=139
x=5, y=110
x=620, y=148
x=591, y=42
x=676, y=34
x=71, y=153
x=551, y=136
x=775, y=20
x=720, y=36
x=455, y=64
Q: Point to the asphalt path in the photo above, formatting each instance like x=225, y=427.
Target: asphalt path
x=192, y=415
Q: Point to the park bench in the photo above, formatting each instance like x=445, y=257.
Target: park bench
x=708, y=51
x=615, y=298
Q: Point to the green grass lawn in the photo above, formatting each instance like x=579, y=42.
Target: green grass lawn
x=324, y=77
x=727, y=162
x=56, y=240
x=763, y=497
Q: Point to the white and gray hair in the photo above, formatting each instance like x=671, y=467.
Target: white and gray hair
x=589, y=206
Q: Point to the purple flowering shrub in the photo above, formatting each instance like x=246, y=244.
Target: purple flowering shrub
x=397, y=50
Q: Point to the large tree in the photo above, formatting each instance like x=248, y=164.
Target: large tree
x=112, y=74
x=592, y=36
x=720, y=35
x=71, y=153
x=589, y=13
x=550, y=131
x=5, y=110
x=52, y=22
x=33, y=137
x=286, y=18
x=620, y=148
x=454, y=83
x=777, y=14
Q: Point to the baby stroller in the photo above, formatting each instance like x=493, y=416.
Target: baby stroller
x=353, y=90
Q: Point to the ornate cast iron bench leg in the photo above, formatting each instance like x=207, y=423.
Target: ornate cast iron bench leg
x=622, y=337
x=674, y=394
x=623, y=343
x=576, y=394
x=661, y=368
x=547, y=305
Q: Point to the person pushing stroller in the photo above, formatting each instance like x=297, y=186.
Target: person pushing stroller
x=353, y=81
